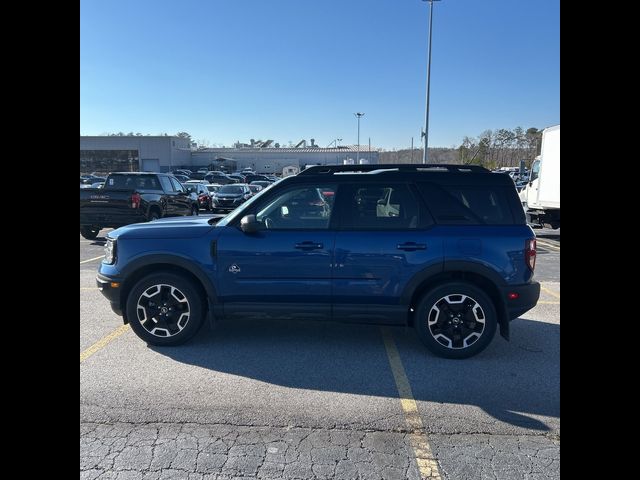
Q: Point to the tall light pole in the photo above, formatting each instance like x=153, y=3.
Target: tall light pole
x=358, y=115
x=425, y=155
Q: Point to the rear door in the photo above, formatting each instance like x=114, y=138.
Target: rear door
x=385, y=238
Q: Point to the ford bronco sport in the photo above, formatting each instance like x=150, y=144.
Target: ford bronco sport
x=442, y=248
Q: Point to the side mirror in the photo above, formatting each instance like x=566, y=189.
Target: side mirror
x=249, y=224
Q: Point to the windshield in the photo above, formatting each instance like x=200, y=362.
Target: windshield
x=213, y=188
x=232, y=189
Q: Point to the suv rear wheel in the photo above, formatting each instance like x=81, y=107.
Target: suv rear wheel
x=165, y=309
x=456, y=320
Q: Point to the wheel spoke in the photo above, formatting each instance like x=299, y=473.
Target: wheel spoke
x=456, y=321
x=163, y=310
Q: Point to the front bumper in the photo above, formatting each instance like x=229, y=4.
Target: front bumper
x=111, y=288
x=528, y=296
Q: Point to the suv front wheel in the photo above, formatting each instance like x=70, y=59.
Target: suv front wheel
x=456, y=320
x=165, y=309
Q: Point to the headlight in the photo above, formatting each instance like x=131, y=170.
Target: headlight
x=110, y=251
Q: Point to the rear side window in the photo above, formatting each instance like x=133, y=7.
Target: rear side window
x=380, y=207
x=467, y=205
x=166, y=184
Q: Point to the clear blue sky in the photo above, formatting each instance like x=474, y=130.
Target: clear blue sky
x=291, y=69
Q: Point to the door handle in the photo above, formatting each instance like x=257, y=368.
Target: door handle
x=411, y=246
x=309, y=246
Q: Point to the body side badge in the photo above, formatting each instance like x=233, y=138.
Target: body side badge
x=234, y=268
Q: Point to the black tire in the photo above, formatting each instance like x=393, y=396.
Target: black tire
x=90, y=233
x=456, y=321
x=170, y=328
x=154, y=215
x=195, y=210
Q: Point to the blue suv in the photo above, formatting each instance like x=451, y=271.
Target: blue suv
x=442, y=248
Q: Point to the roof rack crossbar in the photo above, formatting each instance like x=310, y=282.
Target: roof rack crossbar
x=401, y=167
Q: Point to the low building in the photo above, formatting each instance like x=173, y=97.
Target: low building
x=133, y=153
x=164, y=153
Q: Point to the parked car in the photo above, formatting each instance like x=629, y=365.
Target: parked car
x=219, y=178
x=97, y=185
x=252, y=177
x=213, y=188
x=241, y=178
x=203, y=197
x=254, y=188
x=229, y=197
x=449, y=254
x=132, y=197
x=182, y=178
x=262, y=183
x=185, y=173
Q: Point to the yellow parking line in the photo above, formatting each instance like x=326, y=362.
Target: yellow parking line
x=549, y=246
x=91, y=259
x=427, y=464
x=550, y=292
x=103, y=342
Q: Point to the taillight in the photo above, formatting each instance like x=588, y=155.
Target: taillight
x=530, y=253
x=135, y=200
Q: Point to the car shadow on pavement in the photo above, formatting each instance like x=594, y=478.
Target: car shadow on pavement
x=509, y=380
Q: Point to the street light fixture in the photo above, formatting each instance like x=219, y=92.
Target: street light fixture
x=358, y=115
x=425, y=155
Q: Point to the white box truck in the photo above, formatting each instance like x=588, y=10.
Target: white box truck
x=541, y=197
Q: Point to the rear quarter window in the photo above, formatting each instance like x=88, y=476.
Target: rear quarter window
x=468, y=205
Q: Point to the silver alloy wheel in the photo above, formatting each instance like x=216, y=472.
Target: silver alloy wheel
x=163, y=310
x=456, y=321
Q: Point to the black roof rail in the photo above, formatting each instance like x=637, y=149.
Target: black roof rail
x=400, y=167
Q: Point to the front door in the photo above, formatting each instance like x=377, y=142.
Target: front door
x=181, y=199
x=284, y=269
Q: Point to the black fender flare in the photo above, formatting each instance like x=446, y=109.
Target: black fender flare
x=177, y=260
x=463, y=266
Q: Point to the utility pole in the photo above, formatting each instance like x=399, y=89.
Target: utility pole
x=358, y=115
x=425, y=155
x=411, y=149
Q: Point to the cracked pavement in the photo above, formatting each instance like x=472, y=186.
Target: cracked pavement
x=308, y=400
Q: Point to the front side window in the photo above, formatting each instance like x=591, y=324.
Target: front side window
x=535, y=170
x=177, y=185
x=307, y=208
x=166, y=184
x=380, y=207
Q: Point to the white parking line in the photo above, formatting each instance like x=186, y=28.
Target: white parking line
x=92, y=259
x=549, y=246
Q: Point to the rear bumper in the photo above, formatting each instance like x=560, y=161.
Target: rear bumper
x=528, y=296
x=112, y=221
x=107, y=285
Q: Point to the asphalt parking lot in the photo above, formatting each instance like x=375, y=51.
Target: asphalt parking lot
x=312, y=400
